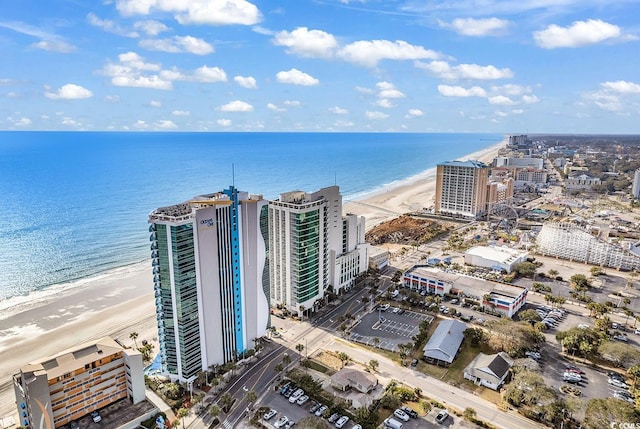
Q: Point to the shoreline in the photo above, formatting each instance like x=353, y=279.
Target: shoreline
x=64, y=315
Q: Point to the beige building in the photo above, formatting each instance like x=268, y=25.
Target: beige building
x=56, y=390
x=461, y=188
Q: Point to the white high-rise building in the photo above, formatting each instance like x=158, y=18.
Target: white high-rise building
x=635, y=190
x=312, y=247
x=211, y=284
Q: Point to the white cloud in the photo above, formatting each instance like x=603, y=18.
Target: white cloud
x=500, y=100
x=296, y=77
x=165, y=124
x=47, y=41
x=59, y=46
x=530, y=99
x=511, y=89
x=622, y=87
x=214, y=12
x=580, y=33
x=363, y=90
x=20, y=122
x=275, y=108
x=150, y=27
x=477, y=27
x=109, y=26
x=181, y=113
x=209, y=74
x=307, y=43
x=224, y=122
x=383, y=102
x=414, y=113
x=443, y=70
x=141, y=125
x=69, y=91
x=112, y=98
x=155, y=103
x=246, y=81
x=70, y=122
x=459, y=91
x=370, y=53
x=262, y=30
x=292, y=103
x=236, y=106
x=376, y=115
x=388, y=90
x=343, y=124
x=501, y=114
x=517, y=111
x=178, y=44
x=338, y=110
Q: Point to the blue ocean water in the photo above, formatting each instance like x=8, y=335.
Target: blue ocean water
x=75, y=204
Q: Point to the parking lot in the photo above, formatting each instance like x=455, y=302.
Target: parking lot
x=116, y=414
x=391, y=329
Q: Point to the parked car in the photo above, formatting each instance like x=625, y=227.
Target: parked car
x=74, y=425
x=442, y=416
x=571, y=377
x=621, y=337
x=281, y=422
x=320, y=411
x=356, y=427
x=624, y=396
x=314, y=407
x=618, y=383
x=333, y=418
x=414, y=363
x=95, y=416
x=401, y=415
x=342, y=421
x=384, y=307
x=269, y=414
x=612, y=374
x=533, y=355
x=302, y=400
x=410, y=411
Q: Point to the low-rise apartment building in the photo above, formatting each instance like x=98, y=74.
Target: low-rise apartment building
x=56, y=390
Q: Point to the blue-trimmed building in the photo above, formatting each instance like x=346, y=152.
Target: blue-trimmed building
x=211, y=279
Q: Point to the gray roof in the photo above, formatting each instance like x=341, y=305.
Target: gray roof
x=445, y=341
x=468, y=163
x=492, y=368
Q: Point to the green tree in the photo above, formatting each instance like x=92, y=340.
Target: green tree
x=286, y=360
x=134, y=336
x=601, y=412
x=634, y=372
x=621, y=354
x=530, y=316
x=373, y=365
x=525, y=269
x=344, y=358
x=553, y=273
x=300, y=348
x=181, y=414
x=469, y=414
x=226, y=400
x=376, y=342
x=251, y=396
x=214, y=410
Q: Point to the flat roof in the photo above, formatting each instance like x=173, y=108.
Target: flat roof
x=74, y=358
x=500, y=254
x=468, y=163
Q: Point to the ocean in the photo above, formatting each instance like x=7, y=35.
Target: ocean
x=75, y=204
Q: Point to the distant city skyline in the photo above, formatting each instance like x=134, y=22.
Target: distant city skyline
x=565, y=66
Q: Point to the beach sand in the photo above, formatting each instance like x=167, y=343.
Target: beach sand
x=122, y=302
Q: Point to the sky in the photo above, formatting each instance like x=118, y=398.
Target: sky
x=526, y=66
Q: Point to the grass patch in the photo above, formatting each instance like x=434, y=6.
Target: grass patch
x=316, y=366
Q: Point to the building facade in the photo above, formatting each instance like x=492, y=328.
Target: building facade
x=494, y=257
x=56, y=390
x=210, y=279
x=635, y=189
x=461, y=188
x=312, y=248
x=569, y=241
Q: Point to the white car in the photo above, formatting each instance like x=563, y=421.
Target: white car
x=302, y=400
x=624, y=396
x=269, y=414
x=296, y=395
x=583, y=326
x=342, y=421
x=533, y=355
x=618, y=383
x=621, y=337
x=442, y=416
x=281, y=422
x=95, y=416
x=401, y=415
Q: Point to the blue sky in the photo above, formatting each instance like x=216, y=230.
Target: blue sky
x=527, y=66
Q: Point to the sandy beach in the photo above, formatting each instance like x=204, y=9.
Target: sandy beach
x=121, y=302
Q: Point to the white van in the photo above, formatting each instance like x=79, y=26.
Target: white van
x=395, y=293
x=392, y=423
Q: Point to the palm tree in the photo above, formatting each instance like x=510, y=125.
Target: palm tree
x=251, y=397
x=134, y=336
x=214, y=411
x=376, y=342
x=344, y=358
x=227, y=401
x=299, y=348
x=182, y=413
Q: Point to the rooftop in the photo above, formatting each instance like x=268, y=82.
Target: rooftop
x=445, y=341
x=468, y=163
x=503, y=255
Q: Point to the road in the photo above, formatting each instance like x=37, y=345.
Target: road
x=319, y=334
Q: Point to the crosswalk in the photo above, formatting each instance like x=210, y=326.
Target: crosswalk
x=227, y=424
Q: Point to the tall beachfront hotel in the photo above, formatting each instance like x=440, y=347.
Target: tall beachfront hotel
x=313, y=249
x=211, y=282
x=461, y=188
